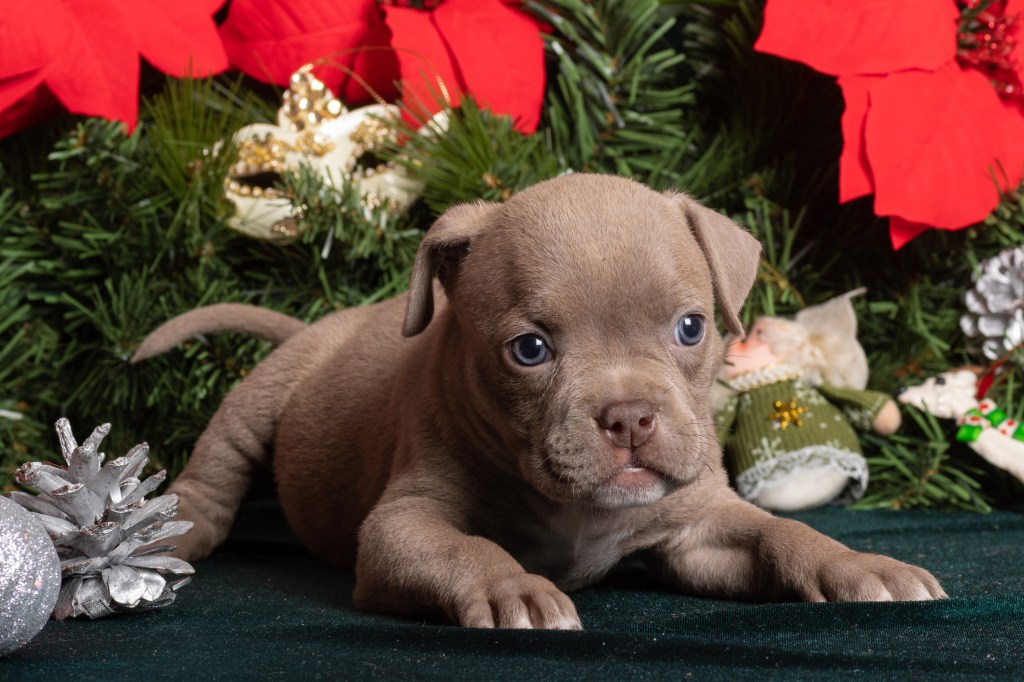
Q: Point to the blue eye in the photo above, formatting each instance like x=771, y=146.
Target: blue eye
x=529, y=350
x=690, y=330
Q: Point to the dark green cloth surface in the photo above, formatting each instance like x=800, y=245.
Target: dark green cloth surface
x=262, y=608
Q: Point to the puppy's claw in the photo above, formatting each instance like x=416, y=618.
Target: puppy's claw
x=525, y=601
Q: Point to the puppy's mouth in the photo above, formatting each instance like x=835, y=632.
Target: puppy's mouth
x=634, y=477
x=636, y=483
x=633, y=485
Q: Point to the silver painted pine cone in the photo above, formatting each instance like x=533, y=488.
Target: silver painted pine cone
x=996, y=304
x=105, y=532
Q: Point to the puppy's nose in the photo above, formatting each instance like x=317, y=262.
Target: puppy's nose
x=627, y=424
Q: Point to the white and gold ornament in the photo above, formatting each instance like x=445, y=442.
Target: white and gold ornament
x=313, y=128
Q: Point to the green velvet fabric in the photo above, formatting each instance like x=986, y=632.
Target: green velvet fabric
x=262, y=608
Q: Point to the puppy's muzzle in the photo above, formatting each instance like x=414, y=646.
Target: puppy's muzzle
x=628, y=424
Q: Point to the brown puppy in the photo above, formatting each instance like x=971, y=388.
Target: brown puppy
x=542, y=414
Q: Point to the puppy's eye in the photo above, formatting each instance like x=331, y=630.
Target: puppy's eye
x=690, y=330
x=529, y=350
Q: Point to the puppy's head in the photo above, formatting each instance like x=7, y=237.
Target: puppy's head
x=584, y=309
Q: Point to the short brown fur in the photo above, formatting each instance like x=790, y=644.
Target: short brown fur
x=455, y=480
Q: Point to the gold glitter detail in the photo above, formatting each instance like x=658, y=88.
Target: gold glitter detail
x=784, y=414
x=308, y=102
x=370, y=133
x=285, y=229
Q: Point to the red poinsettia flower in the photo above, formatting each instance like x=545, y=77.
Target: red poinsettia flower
x=933, y=125
x=84, y=54
x=270, y=39
x=484, y=48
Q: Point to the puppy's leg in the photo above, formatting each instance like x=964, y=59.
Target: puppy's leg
x=414, y=557
x=740, y=551
x=238, y=440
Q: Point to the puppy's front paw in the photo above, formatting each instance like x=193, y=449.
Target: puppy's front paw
x=522, y=601
x=856, y=576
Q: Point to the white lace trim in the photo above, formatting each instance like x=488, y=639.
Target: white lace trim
x=763, y=377
x=770, y=472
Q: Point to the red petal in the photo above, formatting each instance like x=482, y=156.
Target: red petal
x=32, y=108
x=98, y=72
x=428, y=74
x=177, y=36
x=902, y=231
x=841, y=37
x=87, y=52
x=375, y=66
x=16, y=87
x=33, y=33
x=933, y=140
x=854, y=171
x=29, y=50
x=499, y=54
x=270, y=40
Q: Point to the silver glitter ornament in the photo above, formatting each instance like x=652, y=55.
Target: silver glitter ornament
x=105, y=531
x=29, y=577
x=996, y=304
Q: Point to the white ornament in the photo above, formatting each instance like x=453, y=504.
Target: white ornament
x=313, y=128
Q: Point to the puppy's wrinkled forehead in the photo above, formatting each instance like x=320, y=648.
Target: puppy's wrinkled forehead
x=591, y=242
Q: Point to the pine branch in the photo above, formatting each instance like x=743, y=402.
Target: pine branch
x=617, y=104
x=917, y=470
x=476, y=155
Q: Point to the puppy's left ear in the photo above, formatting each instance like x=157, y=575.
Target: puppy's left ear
x=732, y=253
x=442, y=249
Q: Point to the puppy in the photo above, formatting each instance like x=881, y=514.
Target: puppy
x=480, y=446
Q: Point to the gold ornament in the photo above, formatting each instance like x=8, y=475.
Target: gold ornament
x=786, y=414
x=313, y=128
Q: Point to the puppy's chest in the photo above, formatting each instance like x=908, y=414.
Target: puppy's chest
x=573, y=549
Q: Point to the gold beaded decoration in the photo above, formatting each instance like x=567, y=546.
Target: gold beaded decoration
x=307, y=104
x=786, y=414
x=368, y=135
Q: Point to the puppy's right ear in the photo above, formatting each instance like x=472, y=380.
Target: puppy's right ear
x=442, y=249
x=732, y=253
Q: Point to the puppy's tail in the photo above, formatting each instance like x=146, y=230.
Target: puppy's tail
x=221, y=317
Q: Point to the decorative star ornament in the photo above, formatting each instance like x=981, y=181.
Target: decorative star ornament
x=786, y=414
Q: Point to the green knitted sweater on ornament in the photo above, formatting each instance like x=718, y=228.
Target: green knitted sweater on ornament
x=776, y=424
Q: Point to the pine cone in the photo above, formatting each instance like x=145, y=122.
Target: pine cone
x=104, y=531
x=996, y=304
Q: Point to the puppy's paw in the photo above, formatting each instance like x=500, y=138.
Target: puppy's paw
x=856, y=576
x=523, y=601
